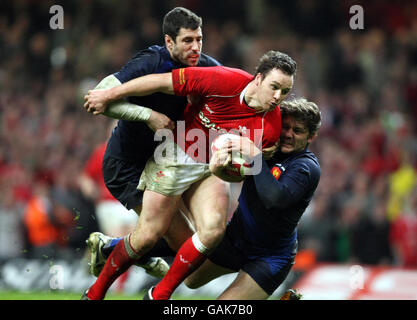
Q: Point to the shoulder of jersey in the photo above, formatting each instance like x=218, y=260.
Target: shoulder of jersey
x=208, y=61
x=236, y=71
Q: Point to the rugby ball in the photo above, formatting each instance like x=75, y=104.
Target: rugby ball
x=237, y=170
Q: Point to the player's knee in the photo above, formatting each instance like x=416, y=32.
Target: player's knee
x=212, y=236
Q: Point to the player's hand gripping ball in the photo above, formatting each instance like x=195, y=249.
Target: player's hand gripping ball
x=237, y=169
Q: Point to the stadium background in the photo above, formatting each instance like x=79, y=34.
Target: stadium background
x=364, y=213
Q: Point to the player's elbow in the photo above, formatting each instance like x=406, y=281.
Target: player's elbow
x=108, y=82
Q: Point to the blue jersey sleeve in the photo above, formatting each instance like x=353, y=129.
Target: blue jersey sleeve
x=299, y=180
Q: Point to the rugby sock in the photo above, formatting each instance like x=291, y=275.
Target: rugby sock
x=121, y=258
x=161, y=249
x=189, y=257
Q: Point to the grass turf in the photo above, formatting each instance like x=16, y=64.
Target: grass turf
x=59, y=295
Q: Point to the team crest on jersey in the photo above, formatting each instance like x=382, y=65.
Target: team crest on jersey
x=160, y=174
x=277, y=171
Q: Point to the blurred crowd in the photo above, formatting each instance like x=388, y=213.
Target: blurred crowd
x=364, y=80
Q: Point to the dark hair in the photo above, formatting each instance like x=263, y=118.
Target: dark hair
x=276, y=60
x=305, y=111
x=178, y=18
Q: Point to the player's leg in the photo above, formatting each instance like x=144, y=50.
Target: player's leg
x=260, y=277
x=244, y=288
x=208, y=201
x=121, y=179
x=180, y=229
x=154, y=221
x=150, y=227
x=205, y=273
x=224, y=259
x=101, y=246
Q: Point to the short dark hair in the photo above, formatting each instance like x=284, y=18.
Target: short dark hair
x=276, y=60
x=178, y=18
x=305, y=111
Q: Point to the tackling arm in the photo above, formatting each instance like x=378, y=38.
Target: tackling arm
x=97, y=102
x=142, y=86
x=119, y=109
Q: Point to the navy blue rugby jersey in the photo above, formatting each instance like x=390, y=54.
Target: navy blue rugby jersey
x=272, y=202
x=132, y=140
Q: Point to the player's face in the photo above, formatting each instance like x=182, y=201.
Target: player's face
x=273, y=89
x=294, y=135
x=187, y=46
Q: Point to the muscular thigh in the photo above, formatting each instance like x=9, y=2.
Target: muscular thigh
x=208, y=202
x=158, y=208
x=180, y=229
x=155, y=218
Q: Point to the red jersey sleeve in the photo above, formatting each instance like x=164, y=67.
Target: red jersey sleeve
x=204, y=81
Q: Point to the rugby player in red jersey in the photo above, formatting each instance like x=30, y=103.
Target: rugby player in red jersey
x=229, y=99
x=126, y=155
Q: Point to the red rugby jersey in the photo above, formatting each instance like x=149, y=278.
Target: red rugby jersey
x=221, y=107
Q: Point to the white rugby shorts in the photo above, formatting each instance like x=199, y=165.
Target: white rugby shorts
x=173, y=172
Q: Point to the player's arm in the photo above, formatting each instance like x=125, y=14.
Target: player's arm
x=122, y=109
x=274, y=192
x=223, y=157
x=285, y=189
x=142, y=86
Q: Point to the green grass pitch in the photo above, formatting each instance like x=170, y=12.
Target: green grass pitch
x=59, y=295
